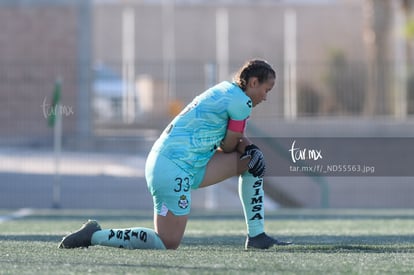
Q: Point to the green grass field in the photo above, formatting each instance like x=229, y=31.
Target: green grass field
x=326, y=242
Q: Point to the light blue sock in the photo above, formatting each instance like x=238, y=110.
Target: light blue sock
x=131, y=238
x=252, y=195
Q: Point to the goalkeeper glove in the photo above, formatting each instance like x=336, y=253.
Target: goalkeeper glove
x=256, y=164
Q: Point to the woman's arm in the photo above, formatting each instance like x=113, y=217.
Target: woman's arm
x=234, y=141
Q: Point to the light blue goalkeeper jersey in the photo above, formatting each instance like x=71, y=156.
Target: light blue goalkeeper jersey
x=194, y=135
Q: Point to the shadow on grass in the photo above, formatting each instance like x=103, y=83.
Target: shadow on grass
x=319, y=243
x=31, y=238
x=306, y=244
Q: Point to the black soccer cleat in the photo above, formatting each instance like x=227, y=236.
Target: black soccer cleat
x=263, y=241
x=82, y=237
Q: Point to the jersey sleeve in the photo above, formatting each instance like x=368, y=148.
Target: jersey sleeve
x=239, y=107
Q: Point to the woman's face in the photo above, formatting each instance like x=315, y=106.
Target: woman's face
x=258, y=91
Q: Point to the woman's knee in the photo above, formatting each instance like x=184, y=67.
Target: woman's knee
x=170, y=229
x=171, y=244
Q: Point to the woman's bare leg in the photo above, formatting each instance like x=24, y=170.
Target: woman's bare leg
x=170, y=228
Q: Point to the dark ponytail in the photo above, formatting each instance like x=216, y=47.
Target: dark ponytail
x=254, y=68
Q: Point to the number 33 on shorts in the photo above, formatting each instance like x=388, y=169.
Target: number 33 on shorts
x=182, y=185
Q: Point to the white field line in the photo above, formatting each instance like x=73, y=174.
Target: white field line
x=21, y=213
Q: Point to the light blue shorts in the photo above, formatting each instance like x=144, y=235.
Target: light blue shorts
x=169, y=185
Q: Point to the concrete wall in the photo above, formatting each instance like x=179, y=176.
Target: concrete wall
x=39, y=42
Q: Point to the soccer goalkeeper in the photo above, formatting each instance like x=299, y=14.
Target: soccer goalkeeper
x=203, y=145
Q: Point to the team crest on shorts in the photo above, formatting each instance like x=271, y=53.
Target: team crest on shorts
x=183, y=202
